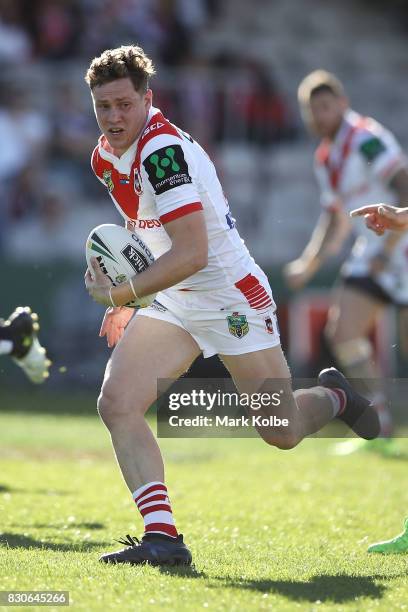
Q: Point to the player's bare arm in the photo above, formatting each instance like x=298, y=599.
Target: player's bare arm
x=187, y=255
x=326, y=240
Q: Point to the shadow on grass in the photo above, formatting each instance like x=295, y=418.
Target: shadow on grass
x=7, y=489
x=15, y=540
x=337, y=589
x=59, y=526
x=182, y=571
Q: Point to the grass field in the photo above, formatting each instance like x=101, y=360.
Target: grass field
x=269, y=530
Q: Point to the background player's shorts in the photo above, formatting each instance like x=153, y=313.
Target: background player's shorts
x=389, y=286
x=233, y=321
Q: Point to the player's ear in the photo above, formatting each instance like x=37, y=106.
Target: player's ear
x=148, y=98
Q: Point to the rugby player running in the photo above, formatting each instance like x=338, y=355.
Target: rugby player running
x=212, y=298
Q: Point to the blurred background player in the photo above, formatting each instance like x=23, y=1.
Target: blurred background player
x=18, y=338
x=358, y=160
x=379, y=218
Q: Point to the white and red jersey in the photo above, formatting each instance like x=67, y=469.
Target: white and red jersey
x=164, y=175
x=354, y=170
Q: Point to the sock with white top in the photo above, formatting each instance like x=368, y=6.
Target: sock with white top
x=154, y=506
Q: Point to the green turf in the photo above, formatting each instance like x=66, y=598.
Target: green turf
x=269, y=530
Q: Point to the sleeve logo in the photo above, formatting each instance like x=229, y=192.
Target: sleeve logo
x=372, y=148
x=167, y=168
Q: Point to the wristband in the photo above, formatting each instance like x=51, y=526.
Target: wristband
x=133, y=289
x=111, y=298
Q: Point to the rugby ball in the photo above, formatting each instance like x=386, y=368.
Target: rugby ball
x=121, y=254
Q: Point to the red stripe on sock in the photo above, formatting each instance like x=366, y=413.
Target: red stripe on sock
x=342, y=399
x=155, y=508
x=156, y=487
x=162, y=497
x=163, y=527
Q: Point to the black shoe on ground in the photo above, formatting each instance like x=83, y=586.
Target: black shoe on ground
x=359, y=413
x=154, y=549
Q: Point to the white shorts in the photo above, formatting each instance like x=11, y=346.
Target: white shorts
x=233, y=321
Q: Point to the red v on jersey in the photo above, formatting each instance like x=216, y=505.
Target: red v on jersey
x=126, y=189
x=323, y=154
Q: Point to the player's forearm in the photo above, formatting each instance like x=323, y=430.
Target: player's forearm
x=171, y=268
x=321, y=243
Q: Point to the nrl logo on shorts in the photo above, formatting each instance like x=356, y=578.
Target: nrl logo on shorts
x=107, y=179
x=238, y=325
x=137, y=182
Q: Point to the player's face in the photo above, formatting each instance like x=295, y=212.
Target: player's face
x=121, y=112
x=326, y=113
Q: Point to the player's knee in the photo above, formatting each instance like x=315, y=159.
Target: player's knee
x=112, y=406
x=351, y=352
x=105, y=406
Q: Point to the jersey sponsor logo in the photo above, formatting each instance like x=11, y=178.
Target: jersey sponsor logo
x=152, y=127
x=107, y=179
x=237, y=325
x=136, y=259
x=372, y=148
x=137, y=182
x=143, y=224
x=167, y=168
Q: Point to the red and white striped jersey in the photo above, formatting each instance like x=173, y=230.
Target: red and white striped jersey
x=164, y=175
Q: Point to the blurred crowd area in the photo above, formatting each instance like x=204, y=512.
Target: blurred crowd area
x=46, y=117
x=227, y=72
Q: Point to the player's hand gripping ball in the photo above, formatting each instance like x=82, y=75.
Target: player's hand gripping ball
x=120, y=254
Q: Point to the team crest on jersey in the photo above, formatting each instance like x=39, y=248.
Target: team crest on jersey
x=137, y=182
x=238, y=325
x=107, y=179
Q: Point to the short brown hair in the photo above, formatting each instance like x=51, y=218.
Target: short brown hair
x=316, y=82
x=124, y=62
